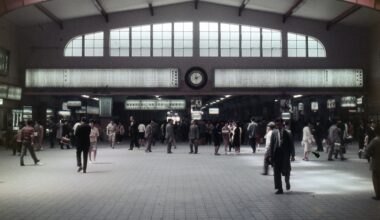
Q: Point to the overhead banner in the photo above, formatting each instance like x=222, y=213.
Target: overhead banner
x=152, y=104
x=105, y=107
x=288, y=78
x=101, y=78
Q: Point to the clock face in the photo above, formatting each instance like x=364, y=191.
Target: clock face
x=196, y=78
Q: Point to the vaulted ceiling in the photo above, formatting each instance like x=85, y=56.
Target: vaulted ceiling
x=33, y=12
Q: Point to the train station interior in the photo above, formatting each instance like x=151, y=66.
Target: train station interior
x=227, y=71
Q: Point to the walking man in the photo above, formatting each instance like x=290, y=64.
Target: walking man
x=169, y=136
x=193, y=137
x=281, y=148
x=149, y=136
x=82, y=135
x=27, y=136
x=252, y=130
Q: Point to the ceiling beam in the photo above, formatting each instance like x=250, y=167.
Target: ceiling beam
x=49, y=14
x=10, y=5
x=374, y=4
x=151, y=9
x=196, y=4
x=342, y=16
x=292, y=9
x=242, y=6
x=99, y=6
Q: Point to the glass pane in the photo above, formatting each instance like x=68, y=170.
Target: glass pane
x=203, y=44
x=77, y=52
x=157, y=52
x=124, y=35
x=178, y=44
x=188, y=26
x=167, y=35
x=178, y=35
x=136, y=35
x=98, y=43
x=213, y=44
x=267, y=44
x=136, y=52
x=188, y=35
x=235, y=36
x=276, y=44
x=145, y=52
x=98, y=52
x=203, y=35
x=167, y=44
x=188, y=44
x=203, y=52
x=213, y=52
x=245, y=44
x=136, y=44
x=224, y=44
x=312, y=44
x=68, y=52
x=203, y=26
x=301, y=52
x=124, y=43
x=245, y=36
x=276, y=52
x=245, y=52
x=157, y=44
x=145, y=43
x=114, y=35
x=291, y=36
x=224, y=52
x=234, y=52
x=292, y=44
x=301, y=44
x=234, y=44
x=321, y=53
x=213, y=36
x=256, y=52
x=157, y=35
x=124, y=52
x=178, y=52
x=77, y=43
x=114, y=44
x=157, y=27
x=188, y=52
x=178, y=26
x=267, y=52
x=145, y=35
x=167, y=52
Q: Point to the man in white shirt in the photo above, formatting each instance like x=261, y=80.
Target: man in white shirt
x=111, y=133
x=267, y=137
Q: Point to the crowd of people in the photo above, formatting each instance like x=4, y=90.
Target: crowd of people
x=276, y=137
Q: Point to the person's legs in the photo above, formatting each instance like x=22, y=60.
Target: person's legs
x=195, y=147
x=23, y=151
x=32, y=153
x=79, y=159
x=277, y=179
x=287, y=181
x=169, y=148
x=85, y=153
x=191, y=145
x=266, y=163
x=331, y=150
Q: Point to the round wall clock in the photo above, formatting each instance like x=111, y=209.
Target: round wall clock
x=196, y=78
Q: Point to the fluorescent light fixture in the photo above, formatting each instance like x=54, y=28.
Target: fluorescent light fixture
x=157, y=96
x=96, y=99
x=276, y=100
x=227, y=96
x=1, y=101
x=222, y=98
x=217, y=100
x=85, y=96
x=297, y=96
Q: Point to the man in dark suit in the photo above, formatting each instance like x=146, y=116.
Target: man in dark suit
x=82, y=135
x=281, y=148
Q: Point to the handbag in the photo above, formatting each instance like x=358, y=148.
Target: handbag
x=65, y=140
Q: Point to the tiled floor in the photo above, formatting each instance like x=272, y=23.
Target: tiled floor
x=126, y=184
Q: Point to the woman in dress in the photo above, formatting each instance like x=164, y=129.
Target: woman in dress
x=226, y=137
x=307, y=141
x=93, y=141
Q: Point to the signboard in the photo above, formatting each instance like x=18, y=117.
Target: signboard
x=314, y=106
x=71, y=104
x=1, y=101
x=3, y=91
x=213, y=111
x=285, y=116
x=300, y=106
x=348, y=101
x=359, y=101
x=92, y=110
x=14, y=93
x=153, y=104
x=102, y=78
x=288, y=78
x=4, y=61
x=331, y=103
x=105, y=107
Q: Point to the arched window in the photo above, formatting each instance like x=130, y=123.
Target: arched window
x=315, y=48
x=119, y=42
x=208, y=39
x=162, y=40
x=296, y=45
x=74, y=47
x=271, y=42
x=141, y=41
x=229, y=40
x=93, y=44
x=250, y=41
x=183, y=39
